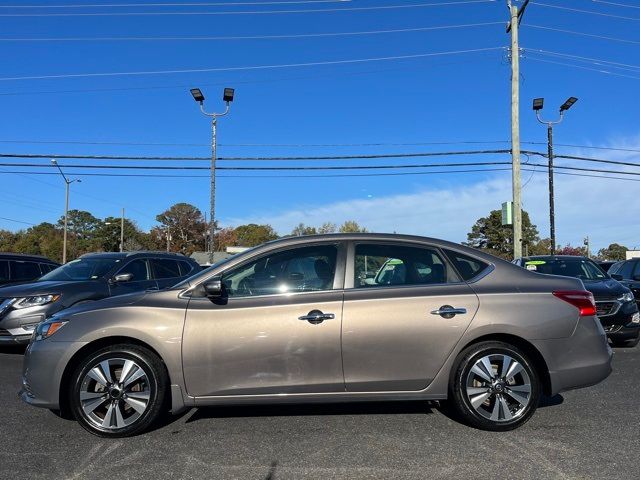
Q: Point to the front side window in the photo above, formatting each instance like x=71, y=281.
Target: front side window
x=305, y=269
x=21, y=271
x=392, y=265
x=137, y=268
x=626, y=270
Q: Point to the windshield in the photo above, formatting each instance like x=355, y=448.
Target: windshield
x=81, y=269
x=567, y=267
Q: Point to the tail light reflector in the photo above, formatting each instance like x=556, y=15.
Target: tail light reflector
x=580, y=299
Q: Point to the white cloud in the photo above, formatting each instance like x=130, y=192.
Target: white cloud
x=605, y=210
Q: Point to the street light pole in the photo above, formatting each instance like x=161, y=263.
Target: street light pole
x=66, y=208
x=538, y=104
x=227, y=98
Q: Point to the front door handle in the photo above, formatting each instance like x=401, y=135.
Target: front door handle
x=316, y=316
x=447, y=311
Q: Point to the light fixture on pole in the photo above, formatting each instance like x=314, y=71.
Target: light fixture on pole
x=66, y=208
x=227, y=97
x=538, y=104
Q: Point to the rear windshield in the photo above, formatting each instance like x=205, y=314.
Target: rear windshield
x=582, y=268
x=81, y=269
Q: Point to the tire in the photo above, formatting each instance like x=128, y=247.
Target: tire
x=626, y=343
x=118, y=391
x=482, y=396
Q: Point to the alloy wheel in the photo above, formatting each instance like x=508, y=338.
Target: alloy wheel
x=498, y=387
x=114, y=393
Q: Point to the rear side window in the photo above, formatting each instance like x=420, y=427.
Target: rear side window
x=467, y=266
x=185, y=268
x=47, y=267
x=4, y=271
x=21, y=271
x=379, y=265
x=165, y=268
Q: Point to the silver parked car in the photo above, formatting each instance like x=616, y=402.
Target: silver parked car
x=331, y=318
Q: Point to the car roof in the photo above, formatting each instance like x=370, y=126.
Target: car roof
x=25, y=256
x=140, y=253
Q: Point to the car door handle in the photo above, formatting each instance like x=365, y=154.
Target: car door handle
x=316, y=316
x=447, y=311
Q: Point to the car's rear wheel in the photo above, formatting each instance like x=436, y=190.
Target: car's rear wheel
x=495, y=386
x=118, y=391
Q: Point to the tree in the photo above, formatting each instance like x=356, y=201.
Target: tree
x=7, y=240
x=327, y=227
x=571, y=250
x=185, y=226
x=542, y=247
x=615, y=251
x=43, y=239
x=108, y=235
x=302, y=230
x=226, y=237
x=351, y=226
x=252, y=234
x=490, y=235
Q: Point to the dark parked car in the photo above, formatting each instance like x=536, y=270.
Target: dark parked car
x=616, y=306
x=606, y=265
x=628, y=273
x=91, y=277
x=19, y=268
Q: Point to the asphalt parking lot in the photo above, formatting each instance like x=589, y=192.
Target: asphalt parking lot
x=590, y=433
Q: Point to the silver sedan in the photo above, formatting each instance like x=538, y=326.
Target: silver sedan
x=331, y=318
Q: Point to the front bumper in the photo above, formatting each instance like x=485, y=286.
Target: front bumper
x=42, y=371
x=16, y=326
x=581, y=360
x=622, y=326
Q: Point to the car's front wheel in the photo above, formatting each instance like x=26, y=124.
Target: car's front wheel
x=495, y=386
x=118, y=391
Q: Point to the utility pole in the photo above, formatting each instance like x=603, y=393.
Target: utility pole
x=66, y=208
x=227, y=98
x=538, y=104
x=588, y=245
x=122, y=231
x=515, y=18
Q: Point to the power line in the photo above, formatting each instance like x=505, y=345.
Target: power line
x=16, y=221
x=270, y=168
x=583, y=34
x=322, y=157
x=606, y=72
x=590, y=12
x=616, y=149
x=203, y=4
x=595, y=61
x=246, y=37
x=253, y=67
x=249, y=12
x=616, y=4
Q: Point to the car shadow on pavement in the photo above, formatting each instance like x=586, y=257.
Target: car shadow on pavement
x=364, y=408
x=546, y=401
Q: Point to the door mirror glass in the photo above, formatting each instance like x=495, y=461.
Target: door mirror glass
x=615, y=276
x=122, y=277
x=213, y=287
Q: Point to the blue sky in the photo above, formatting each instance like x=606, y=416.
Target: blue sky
x=447, y=98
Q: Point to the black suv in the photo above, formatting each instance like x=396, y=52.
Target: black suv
x=19, y=268
x=628, y=273
x=615, y=304
x=91, y=277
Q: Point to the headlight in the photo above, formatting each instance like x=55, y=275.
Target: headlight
x=35, y=301
x=46, y=329
x=626, y=297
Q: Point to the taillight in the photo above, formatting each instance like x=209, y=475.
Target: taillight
x=580, y=299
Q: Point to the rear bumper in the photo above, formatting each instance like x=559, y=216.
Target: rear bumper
x=582, y=360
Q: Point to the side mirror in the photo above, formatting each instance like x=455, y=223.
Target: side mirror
x=213, y=287
x=615, y=276
x=122, y=277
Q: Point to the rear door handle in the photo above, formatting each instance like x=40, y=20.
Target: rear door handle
x=447, y=311
x=316, y=316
